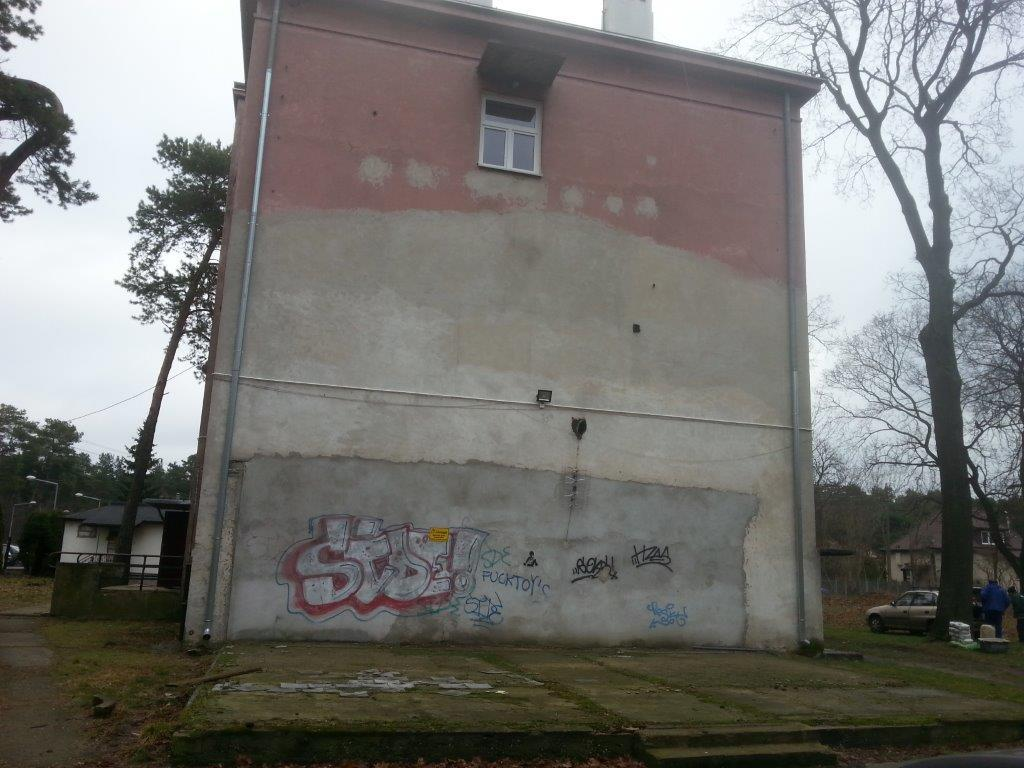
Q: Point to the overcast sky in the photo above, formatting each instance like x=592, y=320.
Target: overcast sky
x=128, y=71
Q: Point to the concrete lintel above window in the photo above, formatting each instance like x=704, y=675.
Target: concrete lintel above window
x=514, y=66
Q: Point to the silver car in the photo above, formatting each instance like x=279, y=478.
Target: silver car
x=912, y=611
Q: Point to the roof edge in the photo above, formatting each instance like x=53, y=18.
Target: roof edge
x=804, y=87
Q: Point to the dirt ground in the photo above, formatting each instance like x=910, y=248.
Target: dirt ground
x=17, y=591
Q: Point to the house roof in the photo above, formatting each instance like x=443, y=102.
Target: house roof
x=110, y=516
x=928, y=535
x=545, y=33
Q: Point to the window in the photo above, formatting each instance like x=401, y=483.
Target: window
x=905, y=600
x=510, y=135
x=926, y=599
x=986, y=537
x=87, y=531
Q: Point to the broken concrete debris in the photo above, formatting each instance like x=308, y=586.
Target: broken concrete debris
x=361, y=685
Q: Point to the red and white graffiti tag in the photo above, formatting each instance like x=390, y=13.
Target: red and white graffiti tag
x=355, y=564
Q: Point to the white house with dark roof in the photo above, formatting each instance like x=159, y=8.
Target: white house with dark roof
x=90, y=535
x=94, y=531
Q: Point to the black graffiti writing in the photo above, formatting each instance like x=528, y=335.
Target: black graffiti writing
x=651, y=555
x=601, y=568
x=532, y=585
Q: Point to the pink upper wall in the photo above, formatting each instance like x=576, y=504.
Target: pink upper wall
x=354, y=81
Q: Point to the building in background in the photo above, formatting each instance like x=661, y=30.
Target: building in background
x=916, y=558
x=521, y=325
x=158, y=544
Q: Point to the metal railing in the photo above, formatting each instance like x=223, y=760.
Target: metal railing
x=154, y=570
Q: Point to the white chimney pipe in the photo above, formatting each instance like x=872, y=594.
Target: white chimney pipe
x=634, y=18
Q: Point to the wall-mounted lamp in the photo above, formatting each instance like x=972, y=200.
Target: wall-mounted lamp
x=543, y=397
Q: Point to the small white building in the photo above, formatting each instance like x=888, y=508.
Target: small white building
x=158, y=545
x=91, y=534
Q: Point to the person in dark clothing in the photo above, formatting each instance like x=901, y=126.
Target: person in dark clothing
x=995, y=601
x=1017, y=601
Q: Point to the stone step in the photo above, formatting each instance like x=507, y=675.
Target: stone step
x=727, y=737
x=742, y=756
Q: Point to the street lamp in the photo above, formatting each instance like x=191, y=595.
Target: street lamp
x=56, y=487
x=85, y=496
x=10, y=532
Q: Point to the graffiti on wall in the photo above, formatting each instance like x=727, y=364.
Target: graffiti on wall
x=531, y=560
x=667, y=616
x=355, y=564
x=533, y=586
x=495, y=557
x=651, y=555
x=600, y=568
x=486, y=612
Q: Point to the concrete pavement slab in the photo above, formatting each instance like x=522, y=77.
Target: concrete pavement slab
x=382, y=701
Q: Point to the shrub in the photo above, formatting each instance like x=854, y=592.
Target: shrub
x=40, y=537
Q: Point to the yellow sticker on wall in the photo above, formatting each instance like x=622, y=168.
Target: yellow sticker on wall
x=439, y=534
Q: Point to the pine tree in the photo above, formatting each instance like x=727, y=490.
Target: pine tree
x=180, y=224
x=33, y=119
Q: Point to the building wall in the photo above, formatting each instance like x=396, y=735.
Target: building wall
x=988, y=563
x=71, y=543
x=146, y=541
x=405, y=308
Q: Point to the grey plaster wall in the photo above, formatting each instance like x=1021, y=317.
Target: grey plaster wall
x=357, y=305
x=619, y=562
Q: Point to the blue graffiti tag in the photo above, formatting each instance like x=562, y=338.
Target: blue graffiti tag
x=531, y=585
x=667, y=616
x=486, y=612
x=493, y=557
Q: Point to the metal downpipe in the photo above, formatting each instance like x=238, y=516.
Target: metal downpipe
x=236, y=362
x=794, y=361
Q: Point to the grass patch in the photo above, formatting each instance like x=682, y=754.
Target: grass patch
x=925, y=677
x=129, y=662
x=24, y=591
x=911, y=648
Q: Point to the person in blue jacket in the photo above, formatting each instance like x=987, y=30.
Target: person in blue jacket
x=994, y=601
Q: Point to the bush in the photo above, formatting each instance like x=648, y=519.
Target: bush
x=41, y=537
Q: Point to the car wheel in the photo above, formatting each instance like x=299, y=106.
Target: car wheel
x=875, y=623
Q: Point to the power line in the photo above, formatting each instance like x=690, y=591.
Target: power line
x=128, y=399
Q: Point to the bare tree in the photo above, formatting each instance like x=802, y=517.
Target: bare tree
x=822, y=322
x=879, y=387
x=921, y=87
x=993, y=343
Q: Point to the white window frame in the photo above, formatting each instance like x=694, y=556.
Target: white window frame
x=535, y=132
x=86, y=531
x=986, y=538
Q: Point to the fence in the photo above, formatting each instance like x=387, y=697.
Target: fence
x=844, y=585
x=153, y=570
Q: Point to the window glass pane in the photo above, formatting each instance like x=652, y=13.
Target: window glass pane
x=516, y=115
x=494, y=147
x=905, y=600
x=523, y=152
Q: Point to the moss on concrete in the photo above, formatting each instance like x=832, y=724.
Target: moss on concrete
x=571, y=703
